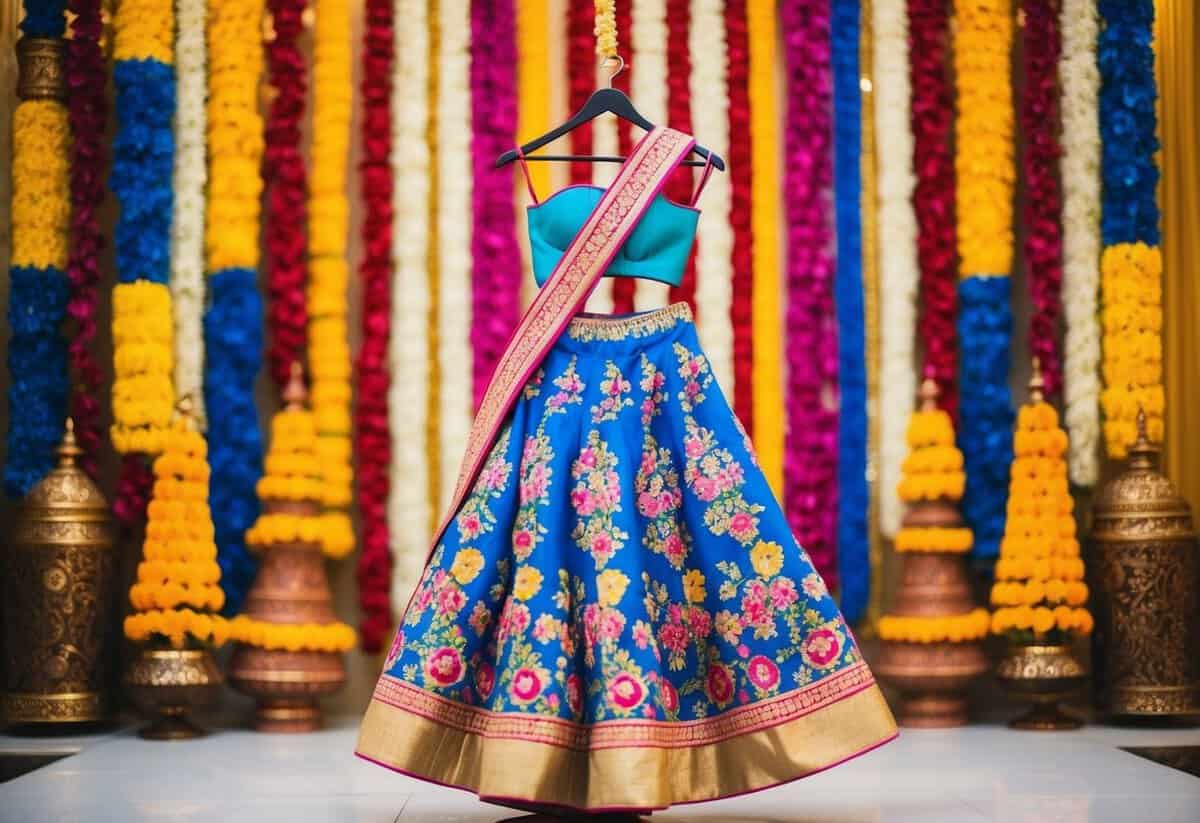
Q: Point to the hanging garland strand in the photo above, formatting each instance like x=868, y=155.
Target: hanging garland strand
x=985, y=175
x=233, y=324
x=38, y=288
x=1043, y=202
x=853, y=494
x=679, y=117
x=88, y=113
x=741, y=211
x=1131, y=266
x=933, y=198
x=580, y=83
x=496, y=274
x=286, y=187
x=624, y=289
x=372, y=436
x=810, y=464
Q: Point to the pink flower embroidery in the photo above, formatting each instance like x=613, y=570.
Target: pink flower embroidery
x=602, y=548
x=469, y=526
x=480, y=617
x=445, y=666
x=626, y=691
x=742, y=526
x=814, y=586
x=485, y=680
x=693, y=446
x=762, y=672
x=394, y=651
x=587, y=458
x=822, y=648
x=545, y=628
x=719, y=685
x=648, y=504
x=526, y=686
x=574, y=694
x=451, y=600
x=424, y=598
x=642, y=634
x=583, y=501
x=783, y=593
x=668, y=696
x=706, y=490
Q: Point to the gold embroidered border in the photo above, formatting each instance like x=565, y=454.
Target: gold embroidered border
x=625, y=777
x=615, y=329
x=554, y=731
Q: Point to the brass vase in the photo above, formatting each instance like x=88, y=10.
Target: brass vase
x=1144, y=577
x=1043, y=675
x=291, y=587
x=932, y=678
x=168, y=685
x=58, y=599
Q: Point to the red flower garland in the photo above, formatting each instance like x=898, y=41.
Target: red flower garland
x=933, y=199
x=285, y=182
x=87, y=111
x=581, y=80
x=679, y=116
x=134, y=484
x=741, y=309
x=1043, y=199
x=372, y=438
x=624, y=287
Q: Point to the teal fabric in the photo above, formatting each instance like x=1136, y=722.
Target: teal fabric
x=657, y=248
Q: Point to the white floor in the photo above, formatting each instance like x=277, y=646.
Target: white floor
x=980, y=773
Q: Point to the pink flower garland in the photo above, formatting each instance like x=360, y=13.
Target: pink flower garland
x=1043, y=200
x=87, y=110
x=810, y=458
x=496, y=278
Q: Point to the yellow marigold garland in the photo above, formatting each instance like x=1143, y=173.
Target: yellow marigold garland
x=292, y=637
x=329, y=273
x=143, y=393
x=958, y=628
x=933, y=469
x=1039, y=574
x=934, y=540
x=41, y=204
x=1132, y=322
x=179, y=562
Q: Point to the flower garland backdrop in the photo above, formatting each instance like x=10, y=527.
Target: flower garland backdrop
x=38, y=287
x=647, y=36
x=233, y=323
x=1079, y=81
x=985, y=178
x=679, y=116
x=1131, y=265
x=810, y=463
x=741, y=169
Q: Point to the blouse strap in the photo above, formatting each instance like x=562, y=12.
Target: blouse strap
x=708, y=167
x=528, y=178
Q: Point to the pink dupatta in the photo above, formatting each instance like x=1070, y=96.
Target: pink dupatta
x=639, y=181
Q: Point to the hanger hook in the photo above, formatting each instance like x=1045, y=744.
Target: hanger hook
x=620, y=64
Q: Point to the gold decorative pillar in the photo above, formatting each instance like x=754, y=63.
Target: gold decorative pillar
x=1145, y=581
x=58, y=578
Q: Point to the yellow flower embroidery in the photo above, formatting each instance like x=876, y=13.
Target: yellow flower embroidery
x=693, y=586
x=467, y=565
x=767, y=558
x=611, y=585
x=528, y=583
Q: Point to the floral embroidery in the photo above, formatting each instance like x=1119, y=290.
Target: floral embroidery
x=658, y=497
x=614, y=390
x=766, y=558
x=596, y=498
x=716, y=478
x=823, y=646
x=653, y=384
x=610, y=586
x=475, y=517
x=693, y=368
x=534, y=387
x=528, y=583
x=467, y=565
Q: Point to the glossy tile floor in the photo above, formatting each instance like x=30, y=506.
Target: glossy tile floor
x=980, y=773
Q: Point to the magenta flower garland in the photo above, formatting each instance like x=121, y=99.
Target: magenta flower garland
x=496, y=275
x=810, y=488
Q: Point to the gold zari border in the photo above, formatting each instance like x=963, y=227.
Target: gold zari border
x=625, y=776
x=615, y=329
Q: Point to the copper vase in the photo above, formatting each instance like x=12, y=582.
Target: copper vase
x=1043, y=675
x=167, y=685
x=291, y=587
x=1144, y=575
x=932, y=678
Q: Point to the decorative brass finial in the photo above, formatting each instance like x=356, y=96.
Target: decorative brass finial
x=68, y=450
x=1142, y=452
x=928, y=395
x=1037, y=384
x=294, y=393
x=40, y=68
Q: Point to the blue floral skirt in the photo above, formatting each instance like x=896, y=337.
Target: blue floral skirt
x=618, y=616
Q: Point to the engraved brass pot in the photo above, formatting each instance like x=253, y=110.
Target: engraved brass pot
x=291, y=587
x=1043, y=675
x=58, y=599
x=168, y=685
x=932, y=678
x=1144, y=576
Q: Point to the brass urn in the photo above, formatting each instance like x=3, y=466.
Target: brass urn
x=58, y=590
x=1043, y=675
x=168, y=685
x=1145, y=582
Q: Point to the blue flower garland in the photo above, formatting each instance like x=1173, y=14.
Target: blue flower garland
x=1125, y=54
x=853, y=492
x=985, y=406
x=233, y=341
x=39, y=381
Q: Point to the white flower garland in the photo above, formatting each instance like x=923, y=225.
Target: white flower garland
x=409, y=511
x=714, y=251
x=648, y=87
x=1079, y=78
x=454, y=239
x=187, y=227
x=899, y=274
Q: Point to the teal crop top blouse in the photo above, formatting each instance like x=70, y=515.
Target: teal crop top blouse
x=657, y=248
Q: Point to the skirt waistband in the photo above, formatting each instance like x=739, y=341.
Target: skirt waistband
x=588, y=328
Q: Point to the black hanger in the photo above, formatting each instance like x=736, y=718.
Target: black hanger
x=602, y=100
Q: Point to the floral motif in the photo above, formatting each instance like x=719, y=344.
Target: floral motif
x=528, y=583
x=716, y=477
x=467, y=564
x=596, y=498
x=475, y=517
x=762, y=673
x=614, y=390
x=658, y=496
x=823, y=647
x=693, y=368
x=611, y=586
x=444, y=667
x=767, y=558
x=653, y=383
x=718, y=685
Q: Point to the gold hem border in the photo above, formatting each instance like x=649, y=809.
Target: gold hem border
x=615, y=328
x=627, y=776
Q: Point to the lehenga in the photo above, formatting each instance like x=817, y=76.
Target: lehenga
x=616, y=616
